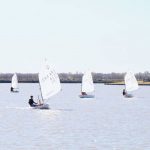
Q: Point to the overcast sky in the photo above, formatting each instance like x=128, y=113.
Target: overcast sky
x=100, y=35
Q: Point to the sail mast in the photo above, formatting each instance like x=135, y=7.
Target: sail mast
x=81, y=87
x=41, y=92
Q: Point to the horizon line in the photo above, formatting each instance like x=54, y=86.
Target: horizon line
x=77, y=72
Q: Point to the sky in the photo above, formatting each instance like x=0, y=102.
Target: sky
x=75, y=36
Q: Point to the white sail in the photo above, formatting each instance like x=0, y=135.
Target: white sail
x=87, y=82
x=130, y=82
x=14, y=82
x=49, y=82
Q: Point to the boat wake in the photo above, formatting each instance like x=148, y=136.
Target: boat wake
x=21, y=108
x=64, y=109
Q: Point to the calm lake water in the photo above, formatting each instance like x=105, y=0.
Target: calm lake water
x=107, y=122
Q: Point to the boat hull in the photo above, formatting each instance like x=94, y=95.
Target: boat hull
x=43, y=106
x=86, y=96
x=128, y=96
x=15, y=91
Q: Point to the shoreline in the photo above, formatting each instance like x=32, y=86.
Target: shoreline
x=99, y=78
x=141, y=83
x=122, y=83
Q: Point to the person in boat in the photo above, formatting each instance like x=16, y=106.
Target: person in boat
x=83, y=93
x=31, y=102
x=11, y=89
x=124, y=92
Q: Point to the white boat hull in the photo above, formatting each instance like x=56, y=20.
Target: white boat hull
x=86, y=96
x=43, y=106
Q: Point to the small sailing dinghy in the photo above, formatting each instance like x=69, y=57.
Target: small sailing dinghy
x=14, y=84
x=131, y=84
x=49, y=84
x=87, y=85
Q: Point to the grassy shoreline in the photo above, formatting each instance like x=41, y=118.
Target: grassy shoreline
x=122, y=83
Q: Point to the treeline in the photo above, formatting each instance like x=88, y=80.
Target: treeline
x=74, y=78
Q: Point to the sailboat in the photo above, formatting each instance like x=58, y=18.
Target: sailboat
x=131, y=84
x=14, y=84
x=87, y=85
x=49, y=83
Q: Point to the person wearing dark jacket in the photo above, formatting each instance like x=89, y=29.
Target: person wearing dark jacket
x=83, y=93
x=31, y=102
x=11, y=89
x=124, y=92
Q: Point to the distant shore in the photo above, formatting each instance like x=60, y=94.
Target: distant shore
x=105, y=78
x=122, y=83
